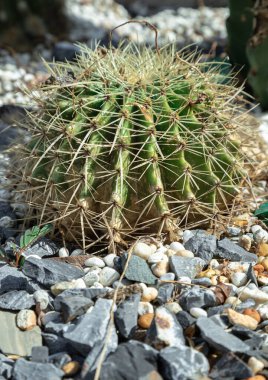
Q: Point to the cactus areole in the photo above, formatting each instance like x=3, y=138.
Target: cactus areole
x=131, y=141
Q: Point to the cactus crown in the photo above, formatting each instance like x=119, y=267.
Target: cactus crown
x=129, y=141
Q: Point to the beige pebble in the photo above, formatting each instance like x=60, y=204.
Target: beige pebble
x=223, y=279
x=214, y=280
x=232, y=301
x=142, y=250
x=26, y=319
x=59, y=287
x=149, y=294
x=153, y=247
x=264, y=263
x=245, y=242
x=255, y=365
x=169, y=252
x=160, y=268
x=145, y=308
x=174, y=307
x=242, y=320
x=184, y=253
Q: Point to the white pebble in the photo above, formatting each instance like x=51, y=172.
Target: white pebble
x=174, y=307
x=77, y=252
x=232, y=301
x=157, y=257
x=185, y=253
x=41, y=296
x=255, y=228
x=263, y=310
x=91, y=277
x=184, y=280
x=239, y=278
x=214, y=264
x=261, y=236
x=109, y=260
x=63, y=252
x=145, y=308
x=255, y=365
x=108, y=276
x=95, y=262
x=187, y=234
x=79, y=283
x=257, y=295
x=26, y=319
x=198, y=312
x=142, y=250
x=97, y=285
x=161, y=249
x=176, y=246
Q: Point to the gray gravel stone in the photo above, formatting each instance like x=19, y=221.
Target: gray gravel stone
x=48, y=272
x=197, y=297
x=230, y=366
x=132, y=361
x=185, y=266
x=24, y=369
x=203, y=246
x=6, y=367
x=165, y=330
x=75, y=306
x=16, y=300
x=56, y=343
x=12, y=279
x=228, y=250
x=182, y=363
x=90, y=328
x=216, y=337
x=39, y=354
x=185, y=319
x=138, y=270
x=126, y=316
x=165, y=293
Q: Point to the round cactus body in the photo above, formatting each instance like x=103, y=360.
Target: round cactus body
x=131, y=141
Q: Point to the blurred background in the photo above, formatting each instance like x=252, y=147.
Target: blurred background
x=31, y=29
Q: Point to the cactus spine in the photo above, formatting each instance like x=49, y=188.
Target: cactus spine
x=129, y=141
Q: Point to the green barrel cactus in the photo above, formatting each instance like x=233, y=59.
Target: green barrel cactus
x=131, y=141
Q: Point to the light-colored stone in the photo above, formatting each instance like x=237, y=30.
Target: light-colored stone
x=142, y=250
x=79, y=283
x=197, y=312
x=245, y=242
x=242, y=320
x=257, y=295
x=261, y=236
x=239, y=278
x=176, y=246
x=237, y=266
x=95, y=262
x=145, y=308
x=255, y=228
x=71, y=368
x=153, y=247
x=90, y=278
x=253, y=313
x=184, y=253
x=184, y=280
x=263, y=310
x=262, y=280
x=223, y=279
x=97, y=285
x=108, y=276
x=169, y=252
x=214, y=264
x=161, y=249
x=262, y=250
x=59, y=287
x=264, y=263
x=232, y=301
x=149, y=294
x=77, y=252
x=174, y=307
x=255, y=365
x=63, y=252
x=109, y=259
x=41, y=297
x=160, y=268
x=157, y=257
x=26, y=319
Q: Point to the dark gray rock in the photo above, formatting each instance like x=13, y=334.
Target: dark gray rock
x=48, y=271
x=228, y=250
x=251, y=275
x=56, y=343
x=165, y=293
x=216, y=337
x=138, y=270
x=220, y=320
x=64, y=50
x=58, y=328
x=182, y=363
x=16, y=300
x=230, y=366
x=12, y=279
x=203, y=281
x=75, y=306
x=185, y=319
x=6, y=367
x=126, y=316
x=186, y=266
x=6, y=210
x=44, y=247
x=203, y=246
x=132, y=361
x=197, y=297
x=218, y=309
x=40, y=354
x=90, y=293
x=91, y=361
x=243, y=332
x=31, y=371
x=165, y=330
x=90, y=328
